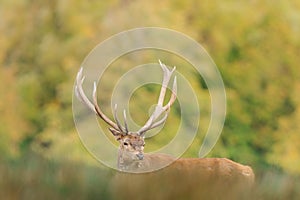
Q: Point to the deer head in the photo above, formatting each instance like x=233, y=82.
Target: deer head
x=131, y=142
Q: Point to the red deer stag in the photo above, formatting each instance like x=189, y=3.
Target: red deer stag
x=185, y=178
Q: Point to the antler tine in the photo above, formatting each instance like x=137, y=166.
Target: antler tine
x=159, y=109
x=125, y=121
x=174, y=93
x=99, y=111
x=117, y=119
x=167, y=76
x=160, y=122
x=80, y=93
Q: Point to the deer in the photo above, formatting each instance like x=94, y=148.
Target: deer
x=180, y=175
x=131, y=155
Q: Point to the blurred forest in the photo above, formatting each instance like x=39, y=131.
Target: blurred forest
x=255, y=44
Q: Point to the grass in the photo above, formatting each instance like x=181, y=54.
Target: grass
x=34, y=177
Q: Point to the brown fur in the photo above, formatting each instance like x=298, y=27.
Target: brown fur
x=187, y=178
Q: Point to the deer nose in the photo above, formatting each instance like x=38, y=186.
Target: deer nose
x=140, y=156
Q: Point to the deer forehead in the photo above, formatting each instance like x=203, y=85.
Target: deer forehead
x=134, y=140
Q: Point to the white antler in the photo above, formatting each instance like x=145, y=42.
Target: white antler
x=160, y=109
x=116, y=126
x=92, y=106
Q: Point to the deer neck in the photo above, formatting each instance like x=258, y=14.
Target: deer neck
x=127, y=161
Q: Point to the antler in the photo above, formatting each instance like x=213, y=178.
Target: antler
x=116, y=127
x=160, y=109
x=92, y=106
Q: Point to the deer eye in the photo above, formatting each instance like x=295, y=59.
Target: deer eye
x=125, y=143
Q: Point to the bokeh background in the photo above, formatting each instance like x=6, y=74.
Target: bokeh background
x=255, y=44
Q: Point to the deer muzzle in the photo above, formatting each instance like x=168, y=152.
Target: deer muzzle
x=140, y=156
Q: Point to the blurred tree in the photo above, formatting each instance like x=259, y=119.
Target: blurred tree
x=255, y=44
